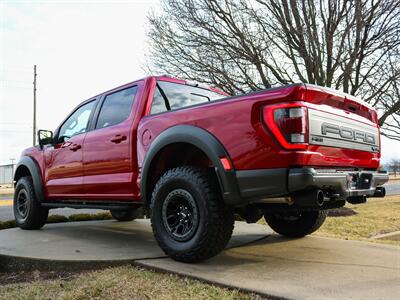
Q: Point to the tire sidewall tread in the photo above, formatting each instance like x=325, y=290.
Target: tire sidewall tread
x=310, y=222
x=215, y=218
x=37, y=215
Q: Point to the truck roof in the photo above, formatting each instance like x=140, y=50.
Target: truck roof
x=170, y=79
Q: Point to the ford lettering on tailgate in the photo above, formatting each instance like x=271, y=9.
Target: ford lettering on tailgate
x=336, y=131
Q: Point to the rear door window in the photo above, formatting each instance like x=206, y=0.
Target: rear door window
x=116, y=107
x=159, y=104
x=171, y=96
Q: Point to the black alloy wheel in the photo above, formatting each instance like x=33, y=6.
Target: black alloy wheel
x=22, y=204
x=28, y=211
x=180, y=215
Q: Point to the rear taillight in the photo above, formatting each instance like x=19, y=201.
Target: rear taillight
x=288, y=123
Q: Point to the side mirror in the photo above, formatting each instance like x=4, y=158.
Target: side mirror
x=45, y=137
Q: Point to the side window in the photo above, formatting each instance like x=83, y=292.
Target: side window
x=170, y=96
x=78, y=122
x=158, y=104
x=116, y=107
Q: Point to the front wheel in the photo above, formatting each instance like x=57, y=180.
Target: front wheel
x=295, y=224
x=189, y=219
x=28, y=212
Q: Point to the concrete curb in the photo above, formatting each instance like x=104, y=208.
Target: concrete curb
x=14, y=263
x=18, y=263
x=140, y=264
x=393, y=236
x=22, y=264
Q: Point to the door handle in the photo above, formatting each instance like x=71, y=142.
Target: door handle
x=75, y=147
x=66, y=144
x=118, y=138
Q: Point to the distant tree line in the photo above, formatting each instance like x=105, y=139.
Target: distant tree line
x=393, y=166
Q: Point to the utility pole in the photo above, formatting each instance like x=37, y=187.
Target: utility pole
x=34, y=105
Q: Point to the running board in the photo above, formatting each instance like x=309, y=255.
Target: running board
x=94, y=205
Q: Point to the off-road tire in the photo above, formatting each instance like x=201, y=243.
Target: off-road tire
x=125, y=215
x=35, y=215
x=295, y=224
x=215, y=220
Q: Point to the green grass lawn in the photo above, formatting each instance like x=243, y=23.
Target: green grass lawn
x=126, y=282
x=374, y=217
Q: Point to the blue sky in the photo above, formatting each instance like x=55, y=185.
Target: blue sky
x=81, y=48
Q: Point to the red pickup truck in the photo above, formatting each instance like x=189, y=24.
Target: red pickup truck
x=192, y=157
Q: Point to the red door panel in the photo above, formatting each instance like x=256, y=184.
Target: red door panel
x=64, y=168
x=108, y=163
x=109, y=159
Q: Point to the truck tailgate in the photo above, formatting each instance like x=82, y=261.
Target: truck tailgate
x=327, y=129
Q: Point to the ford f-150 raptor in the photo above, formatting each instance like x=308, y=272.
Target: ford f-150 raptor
x=192, y=157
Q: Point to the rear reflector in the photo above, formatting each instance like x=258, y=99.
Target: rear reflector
x=226, y=163
x=288, y=123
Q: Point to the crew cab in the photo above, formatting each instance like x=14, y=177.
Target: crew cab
x=192, y=157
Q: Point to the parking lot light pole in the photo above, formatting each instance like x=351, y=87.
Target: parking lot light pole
x=34, y=104
x=12, y=171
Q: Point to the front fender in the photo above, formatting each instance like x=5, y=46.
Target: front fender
x=29, y=163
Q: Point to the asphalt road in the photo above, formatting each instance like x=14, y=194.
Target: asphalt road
x=6, y=212
x=393, y=188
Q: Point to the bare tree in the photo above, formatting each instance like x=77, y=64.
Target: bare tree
x=239, y=46
x=394, y=166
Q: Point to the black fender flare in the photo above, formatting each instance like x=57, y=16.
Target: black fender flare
x=203, y=140
x=34, y=170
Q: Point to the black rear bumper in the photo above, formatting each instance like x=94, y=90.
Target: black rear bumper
x=269, y=184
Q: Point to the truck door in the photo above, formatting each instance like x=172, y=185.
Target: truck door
x=109, y=157
x=63, y=161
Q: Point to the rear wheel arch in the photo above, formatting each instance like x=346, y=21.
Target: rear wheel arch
x=187, y=140
x=28, y=167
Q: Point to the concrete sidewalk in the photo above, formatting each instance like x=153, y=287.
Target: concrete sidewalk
x=308, y=268
x=98, y=241
x=256, y=260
